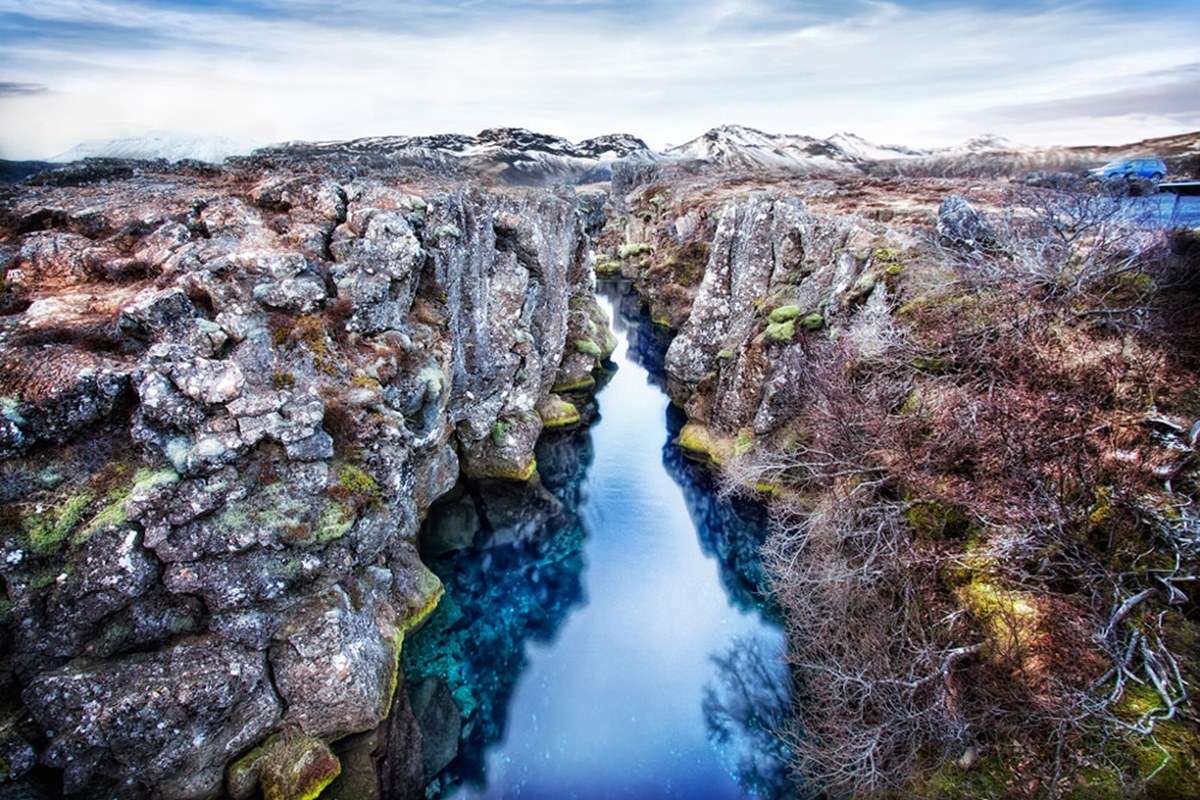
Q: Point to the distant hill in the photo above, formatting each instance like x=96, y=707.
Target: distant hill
x=172, y=147
x=14, y=171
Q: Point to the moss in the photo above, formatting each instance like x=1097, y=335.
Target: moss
x=46, y=532
x=1009, y=617
x=585, y=383
x=608, y=267
x=985, y=780
x=287, y=766
x=1171, y=754
x=933, y=520
x=521, y=474
x=336, y=521
x=913, y=402
x=634, y=249
x=1102, y=511
x=588, y=347
x=362, y=381
x=863, y=286
x=785, y=313
x=813, y=322
x=931, y=364
x=283, y=380
x=743, y=443
x=500, y=430
x=1094, y=783
x=357, y=482
x=558, y=413
x=430, y=590
x=660, y=318
x=700, y=443
x=725, y=355
x=781, y=332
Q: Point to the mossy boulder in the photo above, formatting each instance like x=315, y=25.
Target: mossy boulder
x=558, y=413
x=700, y=443
x=608, y=268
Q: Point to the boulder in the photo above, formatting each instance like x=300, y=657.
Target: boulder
x=961, y=225
x=170, y=719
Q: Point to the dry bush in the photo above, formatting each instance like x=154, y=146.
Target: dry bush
x=1012, y=403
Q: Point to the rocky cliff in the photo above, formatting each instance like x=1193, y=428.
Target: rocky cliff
x=228, y=398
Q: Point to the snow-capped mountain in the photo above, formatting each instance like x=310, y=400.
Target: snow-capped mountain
x=987, y=143
x=172, y=147
x=860, y=149
x=741, y=147
x=513, y=154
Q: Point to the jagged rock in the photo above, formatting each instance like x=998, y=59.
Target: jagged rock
x=16, y=755
x=301, y=294
x=334, y=661
x=440, y=722
x=776, y=272
x=288, y=766
x=960, y=224
x=157, y=314
x=73, y=392
x=169, y=719
x=307, y=356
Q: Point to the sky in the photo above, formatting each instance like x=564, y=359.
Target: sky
x=919, y=72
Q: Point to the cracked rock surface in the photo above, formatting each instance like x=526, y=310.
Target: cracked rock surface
x=228, y=398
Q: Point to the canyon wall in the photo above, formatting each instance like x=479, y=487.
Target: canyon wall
x=228, y=398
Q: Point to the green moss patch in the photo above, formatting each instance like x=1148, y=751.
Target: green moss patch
x=634, y=249
x=700, y=443
x=558, y=413
x=785, y=313
x=586, y=383
x=812, y=322
x=588, y=348
x=781, y=332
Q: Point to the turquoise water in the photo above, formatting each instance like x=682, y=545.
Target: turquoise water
x=602, y=635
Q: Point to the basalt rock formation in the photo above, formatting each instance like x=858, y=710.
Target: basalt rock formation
x=228, y=398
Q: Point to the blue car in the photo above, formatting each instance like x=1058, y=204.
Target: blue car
x=1150, y=168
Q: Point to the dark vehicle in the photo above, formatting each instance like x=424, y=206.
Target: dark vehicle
x=1148, y=168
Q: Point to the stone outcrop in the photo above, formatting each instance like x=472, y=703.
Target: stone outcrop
x=775, y=274
x=229, y=398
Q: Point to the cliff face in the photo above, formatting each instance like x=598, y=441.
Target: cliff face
x=229, y=396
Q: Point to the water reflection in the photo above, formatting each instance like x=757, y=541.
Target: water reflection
x=744, y=708
x=603, y=632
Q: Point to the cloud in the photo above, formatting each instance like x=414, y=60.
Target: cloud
x=1172, y=101
x=21, y=89
x=1173, y=94
x=667, y=70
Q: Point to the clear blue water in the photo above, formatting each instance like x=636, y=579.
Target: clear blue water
x=603, y=635
x=1167, y=210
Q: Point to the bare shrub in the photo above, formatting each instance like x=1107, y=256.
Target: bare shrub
x=983, y=544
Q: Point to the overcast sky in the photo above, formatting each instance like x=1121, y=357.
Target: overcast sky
x=921, y=73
